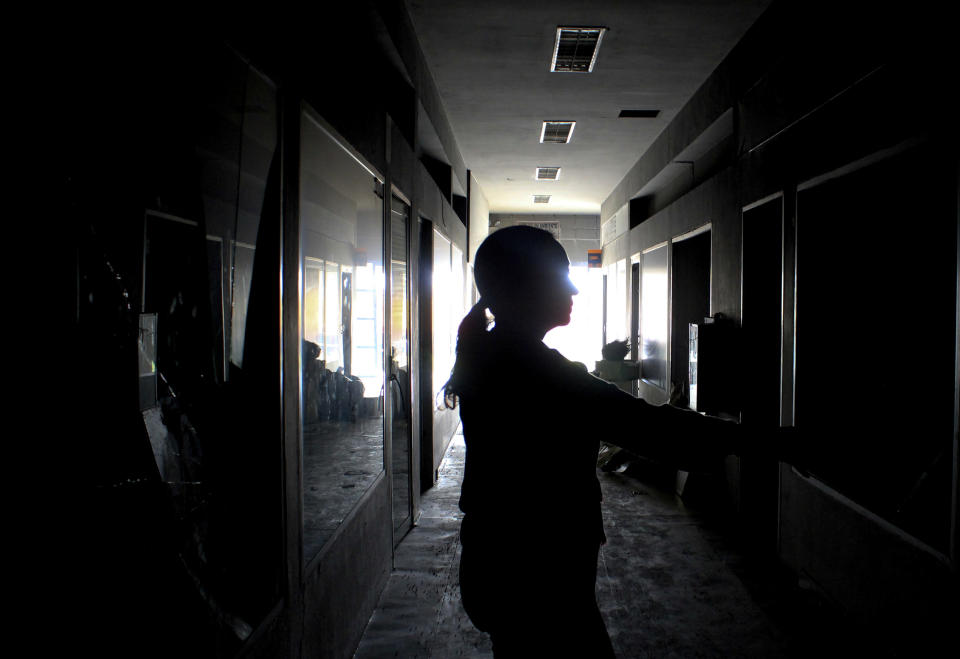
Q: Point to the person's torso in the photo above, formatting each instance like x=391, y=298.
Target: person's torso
x=531, y=441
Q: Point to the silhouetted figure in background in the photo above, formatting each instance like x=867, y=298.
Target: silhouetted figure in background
x=531, y=536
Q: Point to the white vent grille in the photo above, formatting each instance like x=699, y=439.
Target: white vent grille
x=541, y=199
x=576, y=49
x=557, y=132
x=548, y=173
x=552, y=227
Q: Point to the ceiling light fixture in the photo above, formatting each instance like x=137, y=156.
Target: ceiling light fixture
x=576, y=48
x=548, y=173
x=557, y=132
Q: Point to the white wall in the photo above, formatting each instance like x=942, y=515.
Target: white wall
x=578, y=233
x=479, y=217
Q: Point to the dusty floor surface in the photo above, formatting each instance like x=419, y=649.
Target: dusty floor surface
x=669, y=586
x=340, y=461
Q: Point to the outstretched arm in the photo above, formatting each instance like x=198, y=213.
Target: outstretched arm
x=681, y=438
x=686, y=439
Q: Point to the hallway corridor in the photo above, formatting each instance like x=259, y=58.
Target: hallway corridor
x=669, y=585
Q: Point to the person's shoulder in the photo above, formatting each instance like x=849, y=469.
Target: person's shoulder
x=580, y=378
x=573, y=373
x=560, y=361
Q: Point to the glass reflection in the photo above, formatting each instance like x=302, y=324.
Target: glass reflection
x=400, y=364
x=653, y=316
x=342, y=301
x=208, y=353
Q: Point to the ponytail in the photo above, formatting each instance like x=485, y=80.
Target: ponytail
x=470, y=339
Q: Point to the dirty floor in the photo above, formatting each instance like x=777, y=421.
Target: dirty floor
x=670, y=585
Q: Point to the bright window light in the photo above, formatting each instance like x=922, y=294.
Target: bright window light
x=580, y=341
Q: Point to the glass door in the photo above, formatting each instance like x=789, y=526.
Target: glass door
x=399, y=384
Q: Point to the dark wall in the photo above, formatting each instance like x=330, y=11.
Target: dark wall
x=349, y=576
x=854, y=264
x=866, y=287
x=875, y=314
x=179, y=508
x=176, y=141
x=690, y=283
x=807, y=113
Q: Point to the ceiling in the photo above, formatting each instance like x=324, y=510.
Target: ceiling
x=490, y=60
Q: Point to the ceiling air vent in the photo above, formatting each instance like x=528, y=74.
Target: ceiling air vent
x=557, y=132
x=548, y=173
x=639, y=114
x=576, y=49
x=541, y=199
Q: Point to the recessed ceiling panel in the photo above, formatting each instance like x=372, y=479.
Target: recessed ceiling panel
x=576, y=49
x=557, y=132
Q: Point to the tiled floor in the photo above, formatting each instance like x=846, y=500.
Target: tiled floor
x=420, y=614
x=668, y=587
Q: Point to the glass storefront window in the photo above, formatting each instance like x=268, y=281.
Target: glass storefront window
x=653, y=316
x=342, y=303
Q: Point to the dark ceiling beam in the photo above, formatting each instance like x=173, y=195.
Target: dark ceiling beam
x=402, y=31
x=731, y=79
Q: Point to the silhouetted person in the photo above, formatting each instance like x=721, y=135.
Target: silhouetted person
x=532, y=422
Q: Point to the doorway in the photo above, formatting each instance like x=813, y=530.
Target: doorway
x=690, y=283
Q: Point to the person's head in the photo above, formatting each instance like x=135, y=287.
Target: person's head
x=523, y=276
